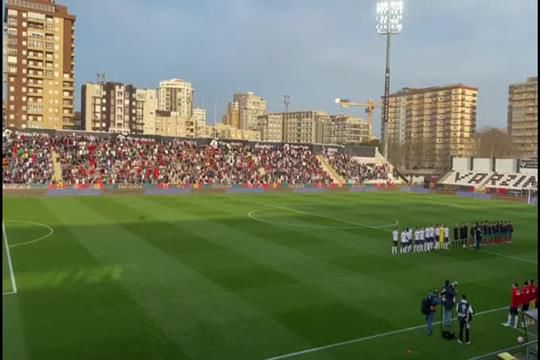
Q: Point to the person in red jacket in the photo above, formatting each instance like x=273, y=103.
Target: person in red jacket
x=533, y=298
x=514, y=307
x=525, y=296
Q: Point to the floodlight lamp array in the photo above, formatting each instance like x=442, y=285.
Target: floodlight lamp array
x=389, y=17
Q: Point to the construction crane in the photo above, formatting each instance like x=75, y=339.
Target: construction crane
x=369, y=106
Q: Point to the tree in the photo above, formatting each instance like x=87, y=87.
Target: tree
x=494, y=143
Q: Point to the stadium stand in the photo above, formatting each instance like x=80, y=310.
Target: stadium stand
x=79, y=158
x=355, y=171
x=26, y=158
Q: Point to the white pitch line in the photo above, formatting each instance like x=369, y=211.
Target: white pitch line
x=508, y=256
x=10, y=265
x=51, y=231
x=371, y=337
x=251, y=215
x=323, y=216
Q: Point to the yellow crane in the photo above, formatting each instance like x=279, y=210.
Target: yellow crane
x=369, y=106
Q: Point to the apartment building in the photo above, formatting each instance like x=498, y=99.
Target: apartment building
x=430, y=125
x=199, y=120
x=146, y=107
x=305, y=127
x=249, y=107
x=270, y=126
x=232, y=117
x=523, y=117
x=396, y=119
x=118, y=108
x=39, y=61
x=173, y=124
x=344, y=129
x=176, y=96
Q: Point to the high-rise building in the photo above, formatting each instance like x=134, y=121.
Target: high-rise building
x=523, y=117
x=249, y=107
x=343, y=129
x=430, y=125
x=199, y=117
x=146, y=107
x=93, y=108
x=39, y=63
x=118, y=108
x=270, y=127
x=232, y=117
x=176, y=95
x=305, y=127
x=397, y=119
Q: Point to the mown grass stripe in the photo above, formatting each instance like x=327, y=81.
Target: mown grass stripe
x=184, y=290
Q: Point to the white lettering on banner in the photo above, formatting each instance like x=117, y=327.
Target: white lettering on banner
x=528, y=164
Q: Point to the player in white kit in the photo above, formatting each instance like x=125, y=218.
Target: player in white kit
x=403, y=247
x=428, y=238
x=422, y=243
x=395, y=239
x=409, y=240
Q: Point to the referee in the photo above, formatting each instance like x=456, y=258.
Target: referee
x=464, y=315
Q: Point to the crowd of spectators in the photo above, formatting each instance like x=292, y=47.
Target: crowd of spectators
x=355, y=172
x=26, y=158
x=87, y=159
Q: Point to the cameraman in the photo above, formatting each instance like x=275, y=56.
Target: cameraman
x=432, y=301
x=448, y=299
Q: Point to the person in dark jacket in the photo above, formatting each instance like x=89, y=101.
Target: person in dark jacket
x=433, y=300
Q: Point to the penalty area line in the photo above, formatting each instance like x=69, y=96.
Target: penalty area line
x=366, y=338
x=10, y=264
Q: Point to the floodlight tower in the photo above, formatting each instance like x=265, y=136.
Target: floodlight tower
x=389, y=16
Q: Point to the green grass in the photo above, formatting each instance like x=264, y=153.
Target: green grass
x=195, y=277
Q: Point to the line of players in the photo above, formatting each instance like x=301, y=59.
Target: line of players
x=430, y=238
x=435, y=237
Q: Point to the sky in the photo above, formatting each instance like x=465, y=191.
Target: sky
x=312, y=50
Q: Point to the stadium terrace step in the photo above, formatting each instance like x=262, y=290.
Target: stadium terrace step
x=336, y=178
x=57, y=169
x=445, y=177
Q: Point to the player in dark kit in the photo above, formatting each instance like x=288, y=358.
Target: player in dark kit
x=477, y=236
x=489, y=233
x=463, y=234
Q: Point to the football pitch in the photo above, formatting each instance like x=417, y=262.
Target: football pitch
x=248, y=276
